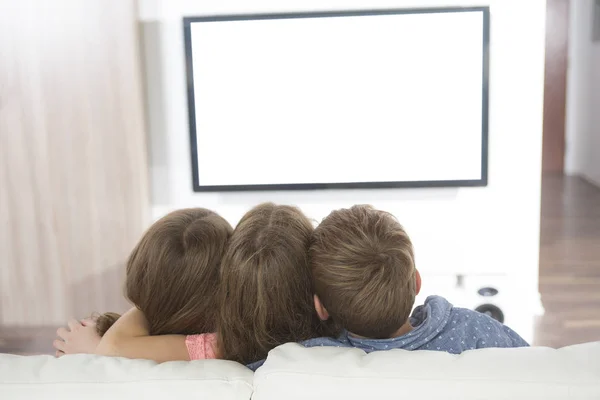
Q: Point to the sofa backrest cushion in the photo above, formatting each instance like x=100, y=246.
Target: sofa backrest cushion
x=294, y=372
x=92, y=377
x=326, y=373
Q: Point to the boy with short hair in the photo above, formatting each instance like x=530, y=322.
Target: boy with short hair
x=365, y=281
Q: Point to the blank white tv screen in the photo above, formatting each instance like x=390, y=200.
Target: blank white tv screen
x=393, y=98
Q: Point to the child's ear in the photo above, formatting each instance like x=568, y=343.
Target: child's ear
x=321, y=311
x=418, y=279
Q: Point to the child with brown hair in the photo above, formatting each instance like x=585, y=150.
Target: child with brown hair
x=172, y=278
x=266, y=289
x=265, y=298
x=365, y=281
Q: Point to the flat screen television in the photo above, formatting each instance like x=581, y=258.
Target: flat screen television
x=349, y=99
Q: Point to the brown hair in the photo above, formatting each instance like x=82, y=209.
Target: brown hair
x=363, y=268
x=266, y=291
x=173, y=273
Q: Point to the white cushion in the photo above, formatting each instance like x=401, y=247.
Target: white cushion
x=293, y=372
x=85, y=377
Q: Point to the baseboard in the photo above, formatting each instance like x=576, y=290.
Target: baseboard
x=590, y=179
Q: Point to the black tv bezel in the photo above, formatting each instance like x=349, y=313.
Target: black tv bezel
x=483, y=181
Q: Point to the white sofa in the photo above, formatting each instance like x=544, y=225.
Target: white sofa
x=293, y=372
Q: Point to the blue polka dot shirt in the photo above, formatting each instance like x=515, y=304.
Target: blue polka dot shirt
x=437, y=326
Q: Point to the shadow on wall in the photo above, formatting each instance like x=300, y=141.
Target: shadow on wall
x=108, y=286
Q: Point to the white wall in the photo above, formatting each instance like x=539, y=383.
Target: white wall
x=468, y=230
x=583, y=95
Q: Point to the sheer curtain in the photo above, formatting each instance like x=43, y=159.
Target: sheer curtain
x=73, y=171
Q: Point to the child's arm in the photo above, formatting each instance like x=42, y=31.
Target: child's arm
x=129, y=337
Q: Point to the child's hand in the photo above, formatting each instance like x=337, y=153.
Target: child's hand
x=79, y=337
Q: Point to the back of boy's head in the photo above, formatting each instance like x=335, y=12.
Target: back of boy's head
x=266, y=288
x=173, y=273
x=363, y=269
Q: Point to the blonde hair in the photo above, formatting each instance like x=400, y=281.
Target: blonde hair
x=266, y=292
x=363, y=269
x=173, y=273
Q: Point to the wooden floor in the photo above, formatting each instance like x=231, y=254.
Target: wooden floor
x=569, y=262
x=569, y=272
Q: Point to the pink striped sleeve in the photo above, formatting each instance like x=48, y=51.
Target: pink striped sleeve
x=201, y=347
